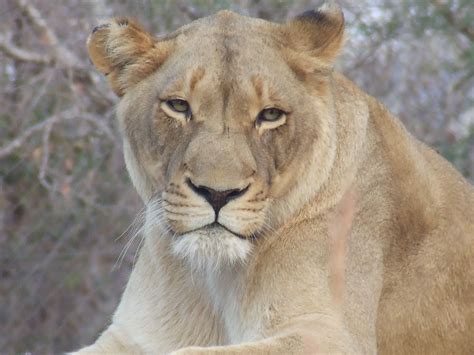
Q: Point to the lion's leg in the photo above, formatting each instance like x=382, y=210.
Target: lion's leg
x=317, y=335
x=112, y=341
x=161, y=310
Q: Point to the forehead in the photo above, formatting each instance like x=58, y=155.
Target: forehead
x=224, y=25
x=229, y=42
x=231, y=50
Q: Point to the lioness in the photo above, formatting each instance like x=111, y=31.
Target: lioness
x=249, y=151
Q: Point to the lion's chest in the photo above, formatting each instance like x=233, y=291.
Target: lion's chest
x=229, y=298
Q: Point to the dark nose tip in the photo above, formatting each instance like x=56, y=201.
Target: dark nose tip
x=217, y=199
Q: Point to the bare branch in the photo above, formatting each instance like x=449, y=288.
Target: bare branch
x=60, y=53
x=99, y=123
x=22, y=138
x=450, y=17
x=190, y=11
x=22, y=54
x=46, y=127
x=370, y=53
x=45, y=156
x=38, y=21
x=459, y=84
x=57, y=54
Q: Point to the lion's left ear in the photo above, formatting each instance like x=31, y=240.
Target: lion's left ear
x=123, y=51
x=316, y=36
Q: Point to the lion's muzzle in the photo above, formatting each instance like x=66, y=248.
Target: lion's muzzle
x=217, y=199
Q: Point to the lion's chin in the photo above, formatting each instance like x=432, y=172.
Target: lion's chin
x=211, y=248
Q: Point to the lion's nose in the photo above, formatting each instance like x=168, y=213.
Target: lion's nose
x=217, y=199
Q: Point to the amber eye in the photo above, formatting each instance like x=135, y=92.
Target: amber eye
x=179, y=105
x=270, y=114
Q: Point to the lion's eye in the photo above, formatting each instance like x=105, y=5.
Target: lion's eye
x=270, y=114
x=178, y=105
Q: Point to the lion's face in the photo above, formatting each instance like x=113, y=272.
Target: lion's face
x=231, y=130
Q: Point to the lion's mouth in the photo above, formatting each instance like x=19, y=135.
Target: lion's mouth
x=212, y=247
x=215, y=228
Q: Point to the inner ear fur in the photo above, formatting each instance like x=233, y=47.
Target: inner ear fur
x=123, y=51
x=315, y=38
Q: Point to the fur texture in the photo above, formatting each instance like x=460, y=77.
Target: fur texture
x=344, y=233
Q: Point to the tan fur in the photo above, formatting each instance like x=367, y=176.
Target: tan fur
x=339, y=175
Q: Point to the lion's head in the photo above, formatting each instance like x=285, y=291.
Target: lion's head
x=228, y=122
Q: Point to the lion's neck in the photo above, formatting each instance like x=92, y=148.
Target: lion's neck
x=351, y=151
x=221, y=287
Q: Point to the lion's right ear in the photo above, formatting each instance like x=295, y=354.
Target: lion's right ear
x=314, y=38
x=124, y=52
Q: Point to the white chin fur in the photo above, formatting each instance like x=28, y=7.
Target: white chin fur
x=211, y=249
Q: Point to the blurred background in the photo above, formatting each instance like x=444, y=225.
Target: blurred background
x=66, y=202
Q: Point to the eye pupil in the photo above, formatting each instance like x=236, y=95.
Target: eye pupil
x=270, y=114
x=178, y=105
